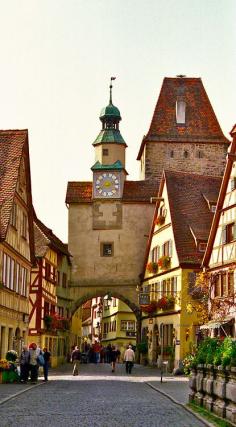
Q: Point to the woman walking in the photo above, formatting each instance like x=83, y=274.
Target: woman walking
x=75, y=359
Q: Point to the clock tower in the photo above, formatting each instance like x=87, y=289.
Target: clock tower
x=109, y=171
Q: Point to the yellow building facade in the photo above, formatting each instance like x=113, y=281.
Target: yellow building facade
x=118, y=324
x=16, y=240
x=177, y=241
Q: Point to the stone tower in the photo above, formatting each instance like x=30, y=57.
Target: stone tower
x=184, y=134
x=109, y=221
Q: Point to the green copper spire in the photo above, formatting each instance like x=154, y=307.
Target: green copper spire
x=110, y=118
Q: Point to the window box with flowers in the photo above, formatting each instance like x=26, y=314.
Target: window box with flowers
x=164, y=262
x=166, y=302
x=152, y=267
x=149, y=308
x=160, y=219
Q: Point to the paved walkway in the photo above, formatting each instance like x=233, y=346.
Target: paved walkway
x=98, y=398
x=175, y=387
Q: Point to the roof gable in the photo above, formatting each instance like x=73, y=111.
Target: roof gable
x=14, y=166
x=134, y=191
x=190, y=214
x=201, y=124
x=45, y=238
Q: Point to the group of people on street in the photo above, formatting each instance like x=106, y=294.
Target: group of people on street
x=94, y=355
x=30, y=359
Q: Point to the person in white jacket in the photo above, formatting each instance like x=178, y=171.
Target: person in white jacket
x=129, y=359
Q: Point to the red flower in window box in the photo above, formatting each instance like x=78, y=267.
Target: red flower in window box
x=159, y=220
x=164, y=262
x=152, y=267
x=150, y=308
x=166, y=302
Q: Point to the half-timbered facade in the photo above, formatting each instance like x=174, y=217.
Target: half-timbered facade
x=177, y=242
x=16, y=239
x=49, y=321
x=220, y=257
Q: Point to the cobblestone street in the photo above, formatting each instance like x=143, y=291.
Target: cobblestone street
x=97, y=398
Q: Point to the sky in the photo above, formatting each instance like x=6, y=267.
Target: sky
x=57, y=57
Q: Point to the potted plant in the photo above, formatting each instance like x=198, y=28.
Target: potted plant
x=160, y=219
x=164, y=262
x=142, y=348
x=152, y=267
x=11, y=356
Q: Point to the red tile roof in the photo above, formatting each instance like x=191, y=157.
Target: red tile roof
x=45, y=238
x=12, y=144
x=134, y=191
x=201, y=122
x=190, y=213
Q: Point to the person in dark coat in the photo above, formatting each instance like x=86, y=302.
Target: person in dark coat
x=47, y=358
x=113, y=358
x=24, y=364
x=75, y=359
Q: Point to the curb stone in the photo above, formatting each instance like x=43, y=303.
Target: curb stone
x=12, y=396
x=207, y=423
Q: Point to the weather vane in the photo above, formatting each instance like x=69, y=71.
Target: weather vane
x=112, y=78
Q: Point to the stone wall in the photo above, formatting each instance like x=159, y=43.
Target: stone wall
x=203, y=159
x=214, y=389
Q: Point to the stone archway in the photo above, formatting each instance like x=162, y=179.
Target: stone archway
x=129, y=297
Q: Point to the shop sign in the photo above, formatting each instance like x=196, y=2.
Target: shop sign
x=144, y=298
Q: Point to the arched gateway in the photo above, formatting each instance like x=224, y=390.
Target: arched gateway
x=109, y=221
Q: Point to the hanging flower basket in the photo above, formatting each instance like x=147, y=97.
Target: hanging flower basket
x=152, y=267
x=164, y=262
x=166, y=302
x=159, y=220
x=150, y=308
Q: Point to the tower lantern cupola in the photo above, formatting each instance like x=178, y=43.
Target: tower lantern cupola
x=110, y=115
x=109, y=171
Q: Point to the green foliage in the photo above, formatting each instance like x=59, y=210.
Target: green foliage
x=228, y=352
x=213, y=351
x=142, y=347
x=11, y=355
x=206, y=351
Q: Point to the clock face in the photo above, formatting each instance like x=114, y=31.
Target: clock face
x=107, y=184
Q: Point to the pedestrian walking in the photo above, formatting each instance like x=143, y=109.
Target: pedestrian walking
x=113, y=358
x=47, y=359
x=34, y=352
x=24, y=364
x=129, y=359
x=75, y=359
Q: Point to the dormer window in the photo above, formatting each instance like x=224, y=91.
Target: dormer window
x=180, y=112
x=202, y=247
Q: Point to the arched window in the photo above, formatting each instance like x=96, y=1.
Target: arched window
x=172, y=154
x=186, y=154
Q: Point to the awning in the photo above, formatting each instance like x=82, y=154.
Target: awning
x=214, y=324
